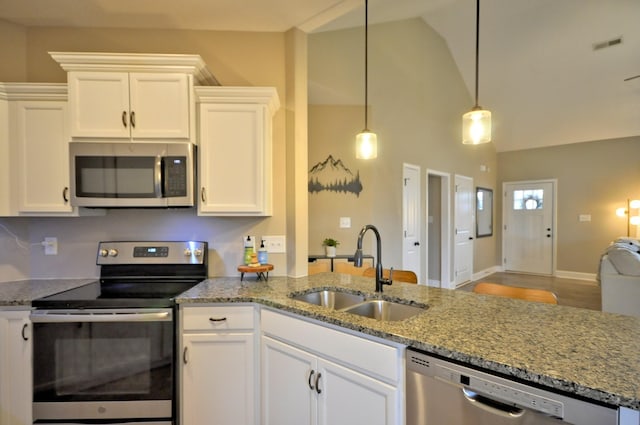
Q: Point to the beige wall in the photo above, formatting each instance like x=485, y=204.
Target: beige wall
x=235, y=58
x=13, y=49
x=417, y=98
x=593, y=178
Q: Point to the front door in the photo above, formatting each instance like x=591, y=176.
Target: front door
x=528, y=232
x=464, y=229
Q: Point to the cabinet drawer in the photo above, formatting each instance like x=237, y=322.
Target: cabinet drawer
x=377, y=360
x=218, y=318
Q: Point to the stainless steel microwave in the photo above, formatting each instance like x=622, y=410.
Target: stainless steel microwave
x=132, y=175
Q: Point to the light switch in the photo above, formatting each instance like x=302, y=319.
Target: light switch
x=345, y=222
x=275, y=244
x=584, y=217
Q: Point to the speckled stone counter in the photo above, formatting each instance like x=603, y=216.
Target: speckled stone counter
x=22, y=292
x=588, y=353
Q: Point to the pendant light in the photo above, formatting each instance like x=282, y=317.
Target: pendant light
x=366, y=141
x=476, y=124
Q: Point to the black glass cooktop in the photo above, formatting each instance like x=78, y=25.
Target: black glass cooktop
x=117, y=294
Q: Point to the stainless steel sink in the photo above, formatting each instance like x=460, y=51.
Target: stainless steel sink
x=361, y=305
x=331, y=299
x=384, y=310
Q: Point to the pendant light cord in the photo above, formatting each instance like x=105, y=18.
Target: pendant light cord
x=477, y=46
x=366, y=61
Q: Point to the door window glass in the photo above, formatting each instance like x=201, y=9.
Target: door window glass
x=530, y=199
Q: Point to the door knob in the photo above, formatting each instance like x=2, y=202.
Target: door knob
x=416, y=244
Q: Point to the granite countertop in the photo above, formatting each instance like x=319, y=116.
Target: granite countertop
x=588, y=353
x=20, y=293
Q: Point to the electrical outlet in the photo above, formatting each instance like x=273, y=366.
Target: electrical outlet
x=275, y=244
x=50, y=246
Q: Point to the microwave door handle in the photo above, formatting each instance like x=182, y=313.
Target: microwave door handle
x=101, y=317
x=157, y=173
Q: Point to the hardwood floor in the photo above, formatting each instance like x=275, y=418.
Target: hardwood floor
x=571, y=292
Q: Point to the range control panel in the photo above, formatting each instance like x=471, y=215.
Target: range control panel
x=151, y=252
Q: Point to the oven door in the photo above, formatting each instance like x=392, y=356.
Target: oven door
x=101, y=365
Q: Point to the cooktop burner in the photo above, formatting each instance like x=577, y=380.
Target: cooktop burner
x=136, y=274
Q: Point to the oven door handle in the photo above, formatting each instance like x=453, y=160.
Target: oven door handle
x=101, y=317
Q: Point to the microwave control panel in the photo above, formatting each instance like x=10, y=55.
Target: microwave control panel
x=175, y=176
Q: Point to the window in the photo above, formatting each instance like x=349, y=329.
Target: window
x=530, y=199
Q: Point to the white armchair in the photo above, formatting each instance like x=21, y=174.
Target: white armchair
x=620, y=278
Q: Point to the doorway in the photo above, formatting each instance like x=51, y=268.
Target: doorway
x=438, y=246
x=528, y=237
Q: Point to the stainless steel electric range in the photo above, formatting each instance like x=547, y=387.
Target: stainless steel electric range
x=106, y=352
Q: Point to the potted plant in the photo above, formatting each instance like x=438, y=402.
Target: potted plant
x=330, y=245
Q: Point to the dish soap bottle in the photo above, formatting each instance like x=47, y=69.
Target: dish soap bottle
x=248, y=251
x=262, y=253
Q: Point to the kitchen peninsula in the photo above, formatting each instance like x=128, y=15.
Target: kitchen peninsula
x=590, y=354
x=584, y=353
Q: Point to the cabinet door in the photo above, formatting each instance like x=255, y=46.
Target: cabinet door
x=218, y=379
x=7, y=205
x=348, y=397
x=42, y=138
x=15, y=368
x=99, y=104
x=159, y=106
x=288, y=396
x=235, y=160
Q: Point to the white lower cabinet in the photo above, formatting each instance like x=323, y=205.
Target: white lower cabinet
x=15, y=368
x=219, y=371
x=315, y=375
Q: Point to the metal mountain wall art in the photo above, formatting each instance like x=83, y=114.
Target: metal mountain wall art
x=332, y=175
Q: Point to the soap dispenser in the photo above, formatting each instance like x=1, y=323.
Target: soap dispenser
x=248, y=250
x=262, y=253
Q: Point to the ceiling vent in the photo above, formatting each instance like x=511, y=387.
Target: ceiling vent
x=608, y=43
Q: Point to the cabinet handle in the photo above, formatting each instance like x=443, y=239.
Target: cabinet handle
x=124, y=119
x=132, y=118
x=216, y=320
x=309, y=380
x=203, y=195
x=65, y=194
x=318, y=376
x=185, y=359
x=24, y=335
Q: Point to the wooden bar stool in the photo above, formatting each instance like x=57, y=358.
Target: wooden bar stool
x=529, y=294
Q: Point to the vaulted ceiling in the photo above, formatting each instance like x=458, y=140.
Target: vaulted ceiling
x=551, y=71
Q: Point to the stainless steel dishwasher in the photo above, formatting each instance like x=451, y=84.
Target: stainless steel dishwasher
x=441, y=392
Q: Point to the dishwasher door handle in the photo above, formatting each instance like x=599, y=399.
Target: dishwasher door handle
x=492, y=406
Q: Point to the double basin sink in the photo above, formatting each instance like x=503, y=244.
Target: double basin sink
x=361, y=305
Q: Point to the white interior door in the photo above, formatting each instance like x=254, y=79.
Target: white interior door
x=528, y=234
x=464, y=226
x=411, y=252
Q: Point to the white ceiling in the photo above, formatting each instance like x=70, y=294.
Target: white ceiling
x=539, y=74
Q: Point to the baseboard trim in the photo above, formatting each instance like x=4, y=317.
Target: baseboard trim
x=566, y=274
x=484, y=273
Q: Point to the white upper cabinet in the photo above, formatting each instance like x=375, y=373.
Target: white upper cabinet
x=235, y=144
x=126, y=97
x=132, y=106
x=34, y=143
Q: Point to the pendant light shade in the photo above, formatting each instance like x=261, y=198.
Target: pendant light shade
x=366, y=141
x=476, y=124
x=366, y=145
